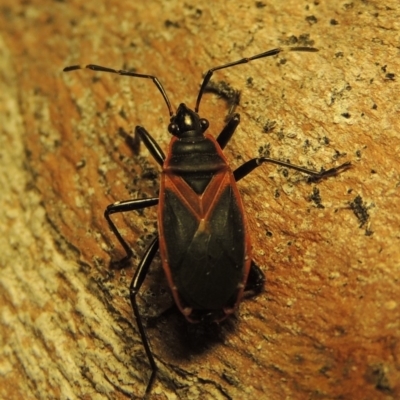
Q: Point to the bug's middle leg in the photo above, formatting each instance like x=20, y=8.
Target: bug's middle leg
x=123, y=206
x=256, y=277
x=252, y=164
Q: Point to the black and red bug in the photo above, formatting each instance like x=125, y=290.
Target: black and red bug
x=203, y=237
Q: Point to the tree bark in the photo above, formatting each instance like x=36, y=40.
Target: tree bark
x=328, y=322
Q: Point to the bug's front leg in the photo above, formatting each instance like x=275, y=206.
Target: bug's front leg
x=151, y=144
x=141, y=135
x=123, y=206
x=227, y=132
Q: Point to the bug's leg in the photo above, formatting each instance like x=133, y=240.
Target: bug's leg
x=255, y=280
x=228, y=131
x=226, y=92
x=252, y=164
x=136, y=283
x=122, y=206
x=151, y=144
x=141, y=134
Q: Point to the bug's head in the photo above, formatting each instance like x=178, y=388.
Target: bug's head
x=187, y=123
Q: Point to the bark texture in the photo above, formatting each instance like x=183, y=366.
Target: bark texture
x=328, y=323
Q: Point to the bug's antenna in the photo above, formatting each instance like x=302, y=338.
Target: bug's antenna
x=268, y=53
x=126, y=73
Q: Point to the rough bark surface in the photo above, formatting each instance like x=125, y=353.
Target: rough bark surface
x=328, y=323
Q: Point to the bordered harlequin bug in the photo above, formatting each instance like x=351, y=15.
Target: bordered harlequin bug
x=203, y=237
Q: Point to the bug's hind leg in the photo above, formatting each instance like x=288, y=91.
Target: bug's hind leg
x=135, y=286
x=255, y=280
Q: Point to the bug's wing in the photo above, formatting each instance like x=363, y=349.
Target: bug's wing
x=206, y=257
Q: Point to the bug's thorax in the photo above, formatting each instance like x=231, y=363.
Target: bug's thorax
x=193, y=155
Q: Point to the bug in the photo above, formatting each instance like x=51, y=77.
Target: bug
x=203, y=237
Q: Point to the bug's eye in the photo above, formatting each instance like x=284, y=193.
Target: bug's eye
x=204, y=124
x=173, y=128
